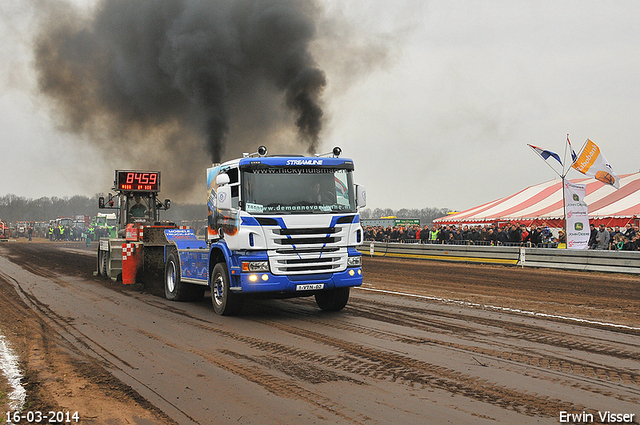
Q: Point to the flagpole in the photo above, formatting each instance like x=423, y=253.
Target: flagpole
x=582, y=148
x=564, y=157
x=564, y=208
x=564, y=199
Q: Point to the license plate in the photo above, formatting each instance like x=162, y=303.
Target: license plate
x=310, y=287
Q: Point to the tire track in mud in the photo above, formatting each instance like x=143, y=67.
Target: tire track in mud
x=523, y=356
x=386, y=366
x=519, y=331
x=78, y=342
x=32, y=268
x=397, y=368
x=594, y=374
x=52, y=338
x=423, y=318
x=28, y=256
x=363, y=362
x=63, y=325
x=549, y=367
x=269, y=381
x=526, y=356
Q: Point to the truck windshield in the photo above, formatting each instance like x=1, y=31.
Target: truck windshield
x=297, y=191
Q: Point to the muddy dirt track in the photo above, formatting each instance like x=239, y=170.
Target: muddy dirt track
x=420, y=343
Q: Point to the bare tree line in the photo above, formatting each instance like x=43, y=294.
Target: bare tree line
x=15, y=208
x=18, y=208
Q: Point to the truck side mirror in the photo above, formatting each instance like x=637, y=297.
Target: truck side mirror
x=101, y=202
x=223, y=197
x=361, y=196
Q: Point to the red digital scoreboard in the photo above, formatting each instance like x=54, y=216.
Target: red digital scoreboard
x=138, y=181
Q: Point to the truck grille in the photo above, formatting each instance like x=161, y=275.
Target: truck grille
x=307, y=241
x=309, y=262
x=303, y=238
x=308, y=250
x=324, y=231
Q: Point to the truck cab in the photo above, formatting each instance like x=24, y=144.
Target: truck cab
x=284, y=226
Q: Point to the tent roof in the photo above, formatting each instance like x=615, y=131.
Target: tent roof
x=544, y=202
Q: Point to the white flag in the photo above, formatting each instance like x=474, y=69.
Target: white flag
x=577, y=217
x=592, y=163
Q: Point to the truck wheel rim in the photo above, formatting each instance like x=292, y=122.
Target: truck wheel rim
x=218, y=290
x=171, y=277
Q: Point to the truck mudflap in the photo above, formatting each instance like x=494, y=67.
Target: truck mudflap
x=193, y=253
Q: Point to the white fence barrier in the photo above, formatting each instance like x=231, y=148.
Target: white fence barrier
x=587, y=260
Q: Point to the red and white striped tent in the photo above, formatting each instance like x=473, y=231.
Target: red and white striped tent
x=542, y=204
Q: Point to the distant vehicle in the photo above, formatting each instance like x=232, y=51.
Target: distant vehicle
x=21, y=229
x=105, y=225
x=67, y=223
x=5, y=230
x=106, y=219
x=64, y=221
x=41, y=229
x=81, y=222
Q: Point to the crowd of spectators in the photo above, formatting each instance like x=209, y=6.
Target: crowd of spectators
x=64, y=233
x=513, y=234
x=622, y=239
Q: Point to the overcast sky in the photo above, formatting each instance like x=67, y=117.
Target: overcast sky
x=435, y=101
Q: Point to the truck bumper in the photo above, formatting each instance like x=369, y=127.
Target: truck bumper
x=268, y=282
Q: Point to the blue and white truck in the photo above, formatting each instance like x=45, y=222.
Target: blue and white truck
x=278, y=226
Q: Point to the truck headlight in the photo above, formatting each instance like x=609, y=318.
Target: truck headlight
x=354, y=261
x=255, y=266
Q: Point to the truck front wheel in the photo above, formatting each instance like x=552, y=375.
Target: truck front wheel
x=225, y=302
x=333, y=299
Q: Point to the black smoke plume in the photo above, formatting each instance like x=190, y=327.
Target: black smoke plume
x=164, y=83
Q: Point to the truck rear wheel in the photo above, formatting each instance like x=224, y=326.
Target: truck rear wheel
x=333, y=299
x=225, y=302
x=174, y=288
x=172, y=284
